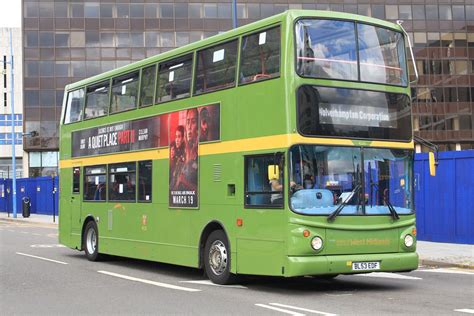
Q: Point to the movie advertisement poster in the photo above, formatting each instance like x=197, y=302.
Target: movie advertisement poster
x=187, y=129
x=181, y=131
x=119, y=137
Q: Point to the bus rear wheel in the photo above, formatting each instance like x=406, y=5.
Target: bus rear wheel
x=91, y=241
x=217, y=258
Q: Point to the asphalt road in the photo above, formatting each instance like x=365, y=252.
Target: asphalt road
x=38, y=276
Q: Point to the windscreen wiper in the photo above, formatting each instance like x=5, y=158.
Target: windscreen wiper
x=338, y=210
x=392, y=209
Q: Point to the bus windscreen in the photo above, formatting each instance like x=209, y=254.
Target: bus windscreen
x=341, y=112
x=346, y=50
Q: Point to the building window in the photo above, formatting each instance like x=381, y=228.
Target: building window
x=405, y=12
x=166, y=10
x=91, y=10
x=391, y=12
x=43, y=164
x=418, y=12
x=445, y=12
x=431, y=12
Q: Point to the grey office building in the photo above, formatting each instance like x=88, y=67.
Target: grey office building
x=65, y=41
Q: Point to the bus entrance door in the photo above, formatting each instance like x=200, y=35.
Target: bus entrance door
x=260, y=242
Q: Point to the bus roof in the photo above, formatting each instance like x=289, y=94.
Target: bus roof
x=290, y=15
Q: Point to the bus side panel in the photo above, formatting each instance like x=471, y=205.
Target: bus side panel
x=150, y=231
x=65, y=181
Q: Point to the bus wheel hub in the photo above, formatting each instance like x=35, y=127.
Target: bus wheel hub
x=218, y=257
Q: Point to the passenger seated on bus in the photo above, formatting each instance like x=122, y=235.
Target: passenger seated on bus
x=308, y=182
x=99, y=194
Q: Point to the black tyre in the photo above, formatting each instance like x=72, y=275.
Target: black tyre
x=217, y=258
x=91, y=241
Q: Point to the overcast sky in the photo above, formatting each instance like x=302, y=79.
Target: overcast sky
x=10, y=13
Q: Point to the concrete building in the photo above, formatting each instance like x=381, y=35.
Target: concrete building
x=5, y=105
x=65, y=41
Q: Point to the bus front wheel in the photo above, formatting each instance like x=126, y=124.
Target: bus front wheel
x=217, y=258
x=91, y=241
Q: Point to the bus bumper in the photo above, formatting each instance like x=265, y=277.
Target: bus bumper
x=342, y=264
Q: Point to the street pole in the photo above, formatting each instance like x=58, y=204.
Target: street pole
x=12, y=99
x=234, y=14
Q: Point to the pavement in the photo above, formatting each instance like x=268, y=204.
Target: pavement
x=431, y=253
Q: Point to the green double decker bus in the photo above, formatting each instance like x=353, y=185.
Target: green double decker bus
x=283, y=148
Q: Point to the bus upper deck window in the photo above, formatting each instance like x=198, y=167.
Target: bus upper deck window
x=260, y=56
x=147, y=86
x=326, y=49
x=216, y=67
x=75, y=102
x=97, y=100
x=174, y=79
x=124, y=92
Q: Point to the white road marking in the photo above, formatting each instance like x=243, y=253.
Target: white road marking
x=208, y=282
x=388, y=276
x=344, y=294
x=443, y=270
x=165, y=285
x=10, y=230
x=280, y=310
x=48, y=246
x=303, y=309
x=24, y=232
x=41, y=258
x=36, y=234
x=465, y=310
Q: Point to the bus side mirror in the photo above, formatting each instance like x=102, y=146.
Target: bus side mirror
x=432, y=163
x=273, y=172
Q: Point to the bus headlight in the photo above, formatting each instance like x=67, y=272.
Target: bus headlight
x=408, y=241
x=317, y=243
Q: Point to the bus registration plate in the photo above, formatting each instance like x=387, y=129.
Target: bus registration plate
x=364, y=266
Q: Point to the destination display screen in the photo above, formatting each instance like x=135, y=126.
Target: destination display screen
x=341, y=112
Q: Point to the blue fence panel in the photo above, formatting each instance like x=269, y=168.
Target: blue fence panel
x=445, y=203
x=39, y=190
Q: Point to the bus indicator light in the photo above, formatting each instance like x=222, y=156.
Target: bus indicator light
x=240, y=222
x=306, y=233
x=413, y=231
